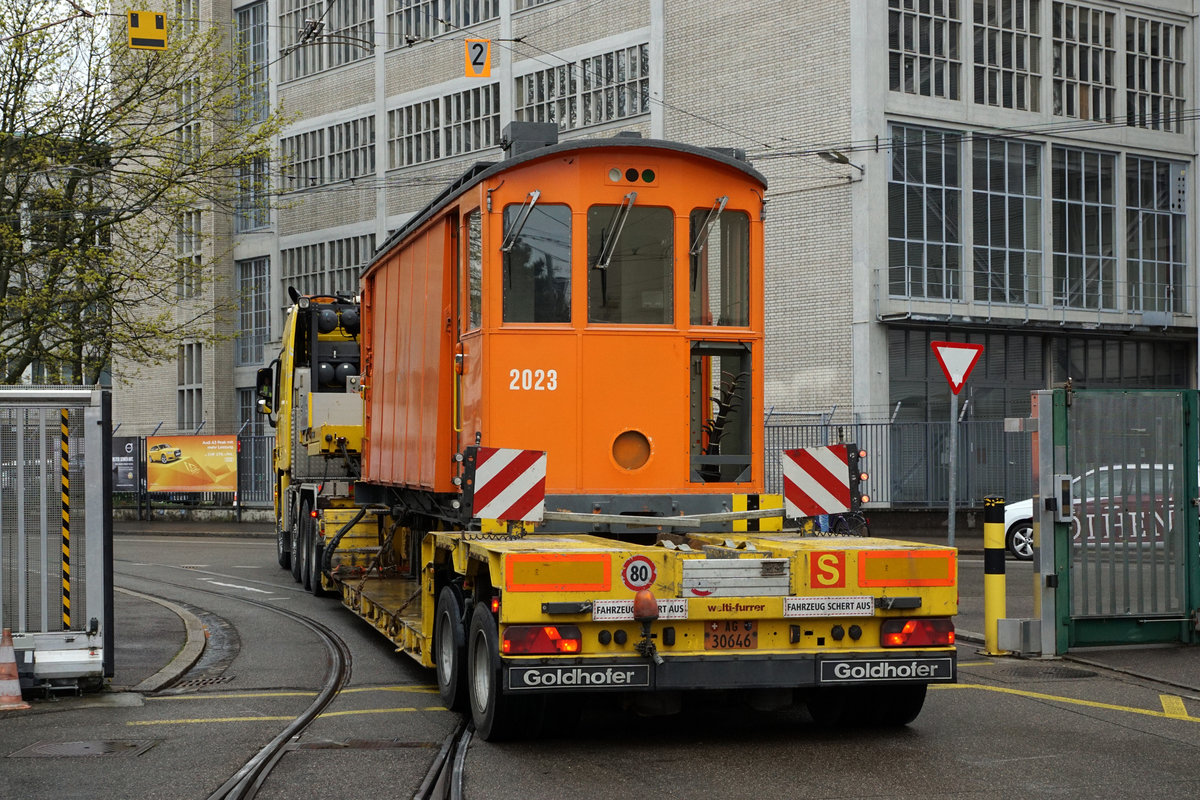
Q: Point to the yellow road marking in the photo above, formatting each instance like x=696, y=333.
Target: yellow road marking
x=1173, y=706
x=1069, y=700
x=207, y=720
x=977, y=663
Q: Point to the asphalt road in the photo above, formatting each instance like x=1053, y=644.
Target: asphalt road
x=1009, y=728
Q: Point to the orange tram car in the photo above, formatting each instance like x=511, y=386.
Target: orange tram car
x=594, y=307
x=599, y=300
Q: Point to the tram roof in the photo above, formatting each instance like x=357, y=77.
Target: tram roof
x=482, y=170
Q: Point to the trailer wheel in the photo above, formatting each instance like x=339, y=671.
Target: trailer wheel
x=294, y=532
x=896, y=706
x=304, y=536
x=315, y=551
x=496, y=715
x=450, y=649
x=836, y=707
x=283, y=548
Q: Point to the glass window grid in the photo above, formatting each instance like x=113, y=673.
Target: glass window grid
x=346, y=258
x=252, y=49
x=1007, y=227
x=1008, y=53
x=309, y=58
x=254, y=321
x=923, y=53
x=1156, y=229
x=250, y=422
x=252, y=210
x=350, y=20
x=1084, y=59
x=924, y=210
x=303, y=157
x=188, y=236
x=304, y=268
x=411, y=21
x=189, y=391
x=1154, y=74
x=463, y=122
x=351, y=149
x=1084, y=221
x=615, y=85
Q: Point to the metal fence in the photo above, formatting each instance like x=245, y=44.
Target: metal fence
x=908, y=462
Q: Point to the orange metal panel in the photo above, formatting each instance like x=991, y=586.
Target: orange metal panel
x=547, y=572
x=907, y=568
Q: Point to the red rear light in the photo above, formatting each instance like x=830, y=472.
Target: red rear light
x=917, y=633
x=541, y=639
x=495, y=605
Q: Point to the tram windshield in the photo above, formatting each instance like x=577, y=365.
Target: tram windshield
x=635, y=287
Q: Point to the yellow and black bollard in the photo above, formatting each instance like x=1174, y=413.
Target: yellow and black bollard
x=994, y=594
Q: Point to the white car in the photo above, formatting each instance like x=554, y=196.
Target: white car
x=1109, y=492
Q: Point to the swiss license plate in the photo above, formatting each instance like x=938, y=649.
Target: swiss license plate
x=731, y=635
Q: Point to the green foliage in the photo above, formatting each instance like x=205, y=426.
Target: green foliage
x=102, y=151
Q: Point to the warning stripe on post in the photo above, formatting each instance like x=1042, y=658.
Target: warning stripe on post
x=510, y=484
x=816, y=480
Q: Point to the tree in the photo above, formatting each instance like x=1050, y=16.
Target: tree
x=104, y=151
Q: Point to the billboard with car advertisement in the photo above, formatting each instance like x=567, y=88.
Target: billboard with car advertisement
x=191, y=463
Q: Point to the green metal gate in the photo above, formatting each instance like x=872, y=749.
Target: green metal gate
x=1127, y=563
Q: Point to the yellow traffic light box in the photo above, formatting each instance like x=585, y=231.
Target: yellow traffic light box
x=147, y=30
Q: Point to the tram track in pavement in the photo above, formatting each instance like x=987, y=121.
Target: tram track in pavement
x=443, y=780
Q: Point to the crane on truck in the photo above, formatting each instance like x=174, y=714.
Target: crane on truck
x=530, y=454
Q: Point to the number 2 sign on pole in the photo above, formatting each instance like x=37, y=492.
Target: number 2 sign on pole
x=479, y=58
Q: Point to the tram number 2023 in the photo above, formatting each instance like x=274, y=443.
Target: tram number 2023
x=533, y=380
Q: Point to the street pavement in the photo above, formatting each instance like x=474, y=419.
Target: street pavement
x=158, y=641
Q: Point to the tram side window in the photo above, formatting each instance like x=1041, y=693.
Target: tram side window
x=635, y=287
x=537, y=266
x=721, y=408
x=720, y=268
x=474, y=270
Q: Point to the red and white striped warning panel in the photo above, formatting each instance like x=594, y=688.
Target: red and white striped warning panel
x=816, y=480
x=510, y=484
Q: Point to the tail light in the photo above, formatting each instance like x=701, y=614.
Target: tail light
x=541, y=639
x=937, y=632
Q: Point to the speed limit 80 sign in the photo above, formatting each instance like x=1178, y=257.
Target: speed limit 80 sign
x=639, y=572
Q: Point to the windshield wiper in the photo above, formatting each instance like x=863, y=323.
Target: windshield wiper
x=608, y=247
x=510, y=238
x=701, y=240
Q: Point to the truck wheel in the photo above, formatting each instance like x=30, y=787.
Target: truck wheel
x=496, y=715
x=450, y=650
x=315, y=551
x=283, y=548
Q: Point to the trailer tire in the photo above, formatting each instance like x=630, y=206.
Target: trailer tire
x=897, y=706
x=315, y=552
x=283, y=552
x=450, y=649
x=297, y=548
x=305, y=524
x=496, y=715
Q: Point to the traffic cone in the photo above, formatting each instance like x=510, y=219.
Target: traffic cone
x=10, y=682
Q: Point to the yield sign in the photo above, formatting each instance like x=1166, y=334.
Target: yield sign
x=957, y=360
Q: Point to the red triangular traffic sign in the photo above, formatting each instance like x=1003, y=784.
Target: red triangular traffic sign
x=957, y=359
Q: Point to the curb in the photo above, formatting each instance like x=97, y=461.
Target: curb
x=187, y=656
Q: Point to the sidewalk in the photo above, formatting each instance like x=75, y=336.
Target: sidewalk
x=160, y=527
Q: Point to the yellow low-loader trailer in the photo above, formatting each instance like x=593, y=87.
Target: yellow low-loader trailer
x=854, y=627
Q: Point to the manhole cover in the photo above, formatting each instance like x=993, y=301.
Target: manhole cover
x=92, y=748
x=1046, y=673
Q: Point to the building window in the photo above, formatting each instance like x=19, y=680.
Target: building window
x=1154, y=74
x=1007, y=53
x=923, y=55
x=190, y=386
x=1007, y=225
x=253, y=210
x=600, y=88
x=414, y=134
x=410, y=21
x=351, y=149
x=452, y=125
x=299, y=34
x=303, y=159
x=1156, y=223
x=1084, y=227
x=188, y=235
x=250, y=422
x=924, y=211
x=252, y=48
x=1084, y=62
x=347, y=257
x=351, y=31
x=304, y=269
x=253, y=294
